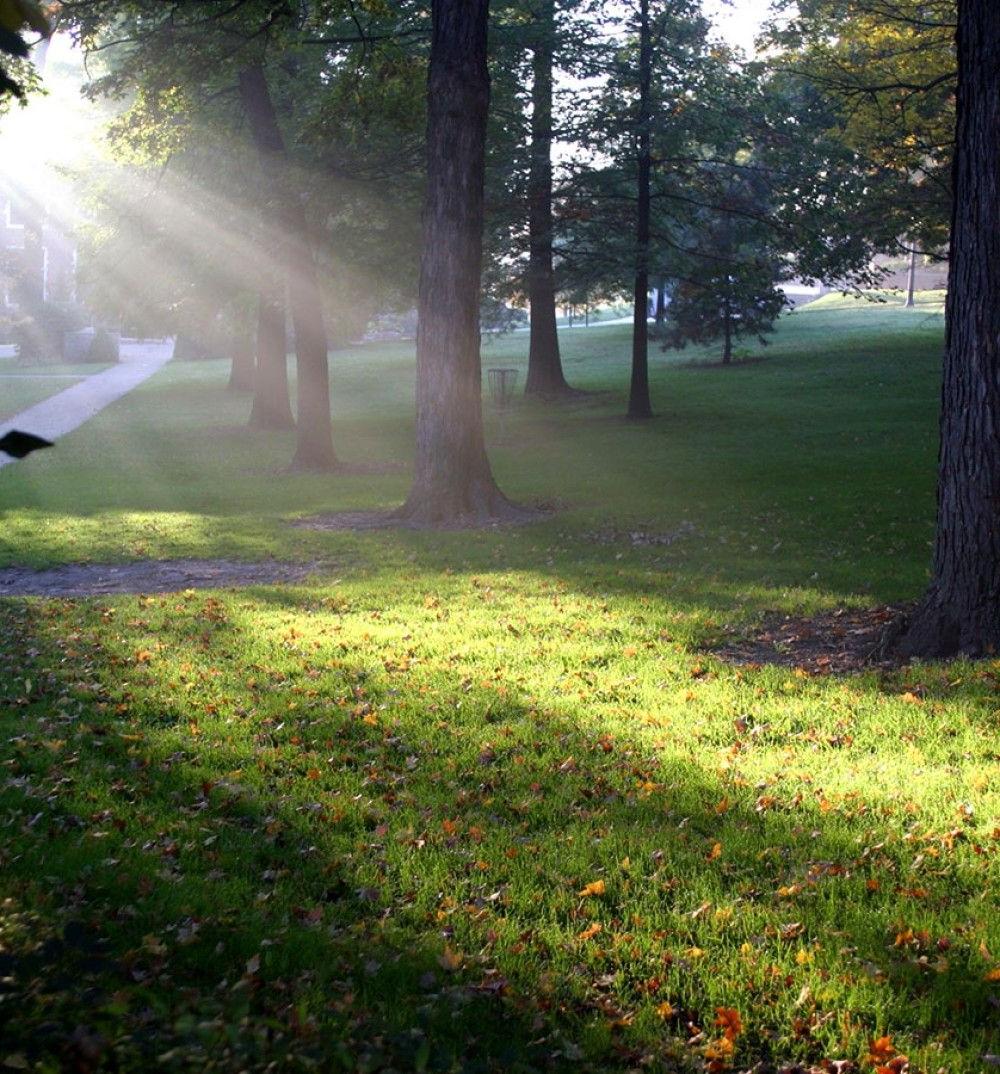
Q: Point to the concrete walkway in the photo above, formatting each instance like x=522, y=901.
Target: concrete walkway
x=68, y=410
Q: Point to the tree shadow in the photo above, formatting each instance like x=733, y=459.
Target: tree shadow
x=319, y=869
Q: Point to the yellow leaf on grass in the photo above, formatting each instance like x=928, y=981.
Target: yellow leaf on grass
x=595, y=887
x=450, y=959
x=719, y=1050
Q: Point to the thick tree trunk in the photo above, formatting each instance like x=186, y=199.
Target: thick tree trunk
x=911, y=278
x=242, y=369
x=314, y=444
x=960, y=612
x=545, y=372
x=272, y=408
x=639, y=405
x=452, y=482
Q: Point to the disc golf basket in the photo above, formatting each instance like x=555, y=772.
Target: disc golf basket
x=502, y=383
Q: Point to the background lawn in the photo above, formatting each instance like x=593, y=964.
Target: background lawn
x=23, y=386
x=479, y=800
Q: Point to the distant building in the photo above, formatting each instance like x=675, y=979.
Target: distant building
x=38, y=258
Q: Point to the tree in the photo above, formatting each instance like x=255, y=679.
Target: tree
x=886, y=70
x=639, y=404
x=643, y=143
x=453, y=483
x=15, y=72
x=730, y=259
x=272, y=407
x=960, y=613
x=314, y=440
x=199, y=55
x=545, y=372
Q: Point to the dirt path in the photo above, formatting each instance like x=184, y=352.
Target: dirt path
x=60, y=414
x=148, y=576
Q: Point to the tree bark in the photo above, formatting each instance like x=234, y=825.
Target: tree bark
x=960, y=613
x=727, y=331
x=453, y=483
x=545, y=372
x=661, y=302
x=639, y=404
x=911, y=278
x=314, y=443
x=271, y=408
x=241, y=371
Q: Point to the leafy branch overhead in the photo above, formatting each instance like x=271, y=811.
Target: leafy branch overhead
x=16, y=16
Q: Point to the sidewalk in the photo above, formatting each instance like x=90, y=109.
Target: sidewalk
x=68, y=410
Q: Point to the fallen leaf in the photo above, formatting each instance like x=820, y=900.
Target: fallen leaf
x=880, y=1051
x=728, y=1020
x=450, y=959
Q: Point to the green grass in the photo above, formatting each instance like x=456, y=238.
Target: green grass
x=347, y=824
x=23, y=386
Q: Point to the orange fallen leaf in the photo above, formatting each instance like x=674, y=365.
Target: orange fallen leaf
x=591, y=932
x=880, y=1051
x=715, y=852
x=595, y=887
x=728, y=1020
x=992, y=975
x=665, y=1010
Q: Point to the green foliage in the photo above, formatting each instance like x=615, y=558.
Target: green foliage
x=347, y=83
x=886, y=71
x=39, y=335
x=17, y=75
x=103, y=349
x=727, y=289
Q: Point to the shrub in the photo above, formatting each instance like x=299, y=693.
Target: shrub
x=39, y=336
x=103, y=348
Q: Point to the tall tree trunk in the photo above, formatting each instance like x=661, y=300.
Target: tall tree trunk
x=314, y=444
x=661, y=302
x=271, y=408
x=452, y=481
x=911, y=278
x=242, y=368
x=960, y=612
x=727, y=330
x=639, y=405
x=545, y=372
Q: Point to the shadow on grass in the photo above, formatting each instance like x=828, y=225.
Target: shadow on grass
x=333, y=871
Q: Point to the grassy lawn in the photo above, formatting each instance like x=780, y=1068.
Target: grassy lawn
x=23, y=386
x=479, y=801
